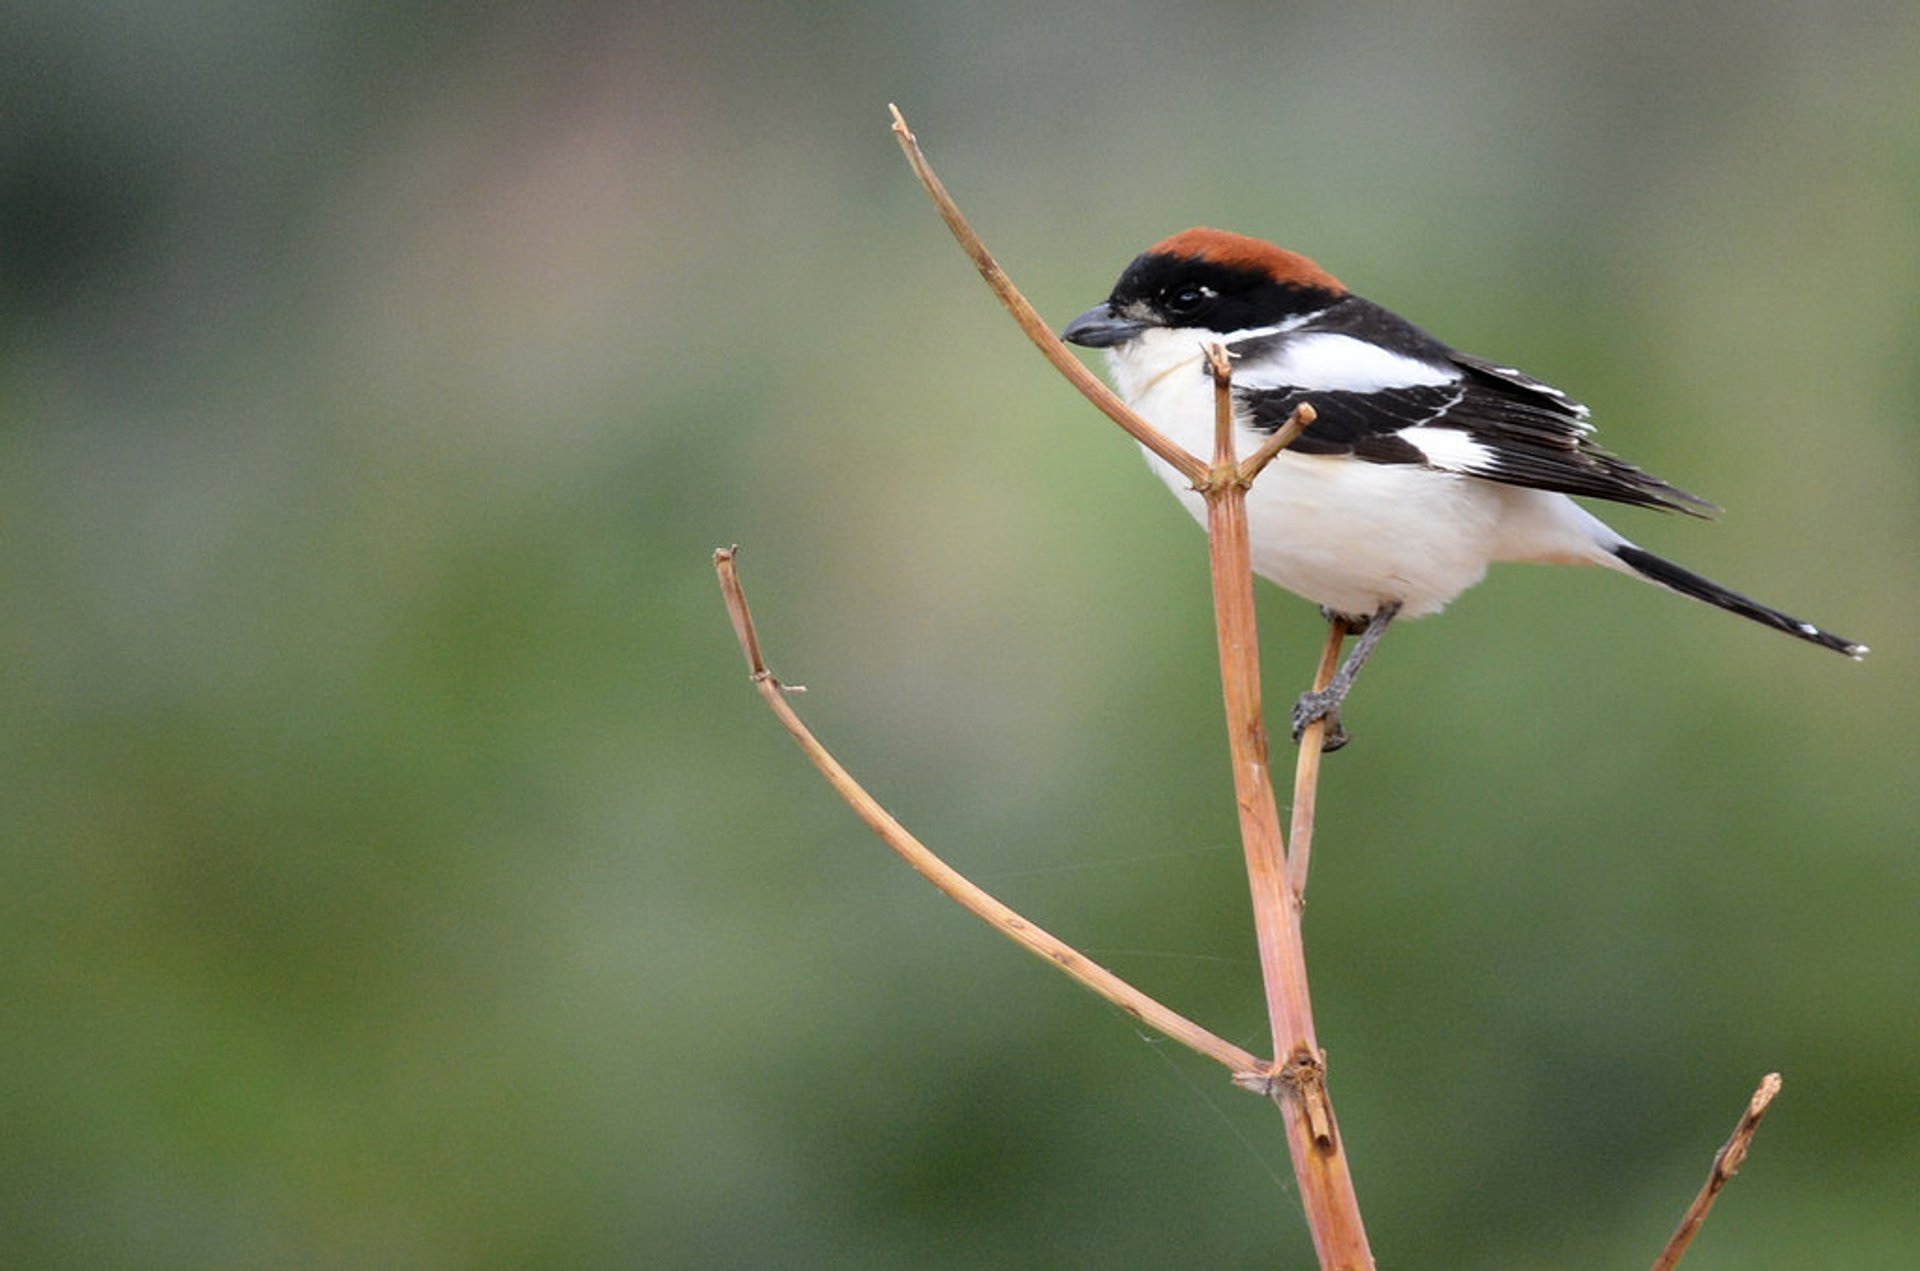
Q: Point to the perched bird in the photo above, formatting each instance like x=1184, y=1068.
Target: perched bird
x=1424, y=466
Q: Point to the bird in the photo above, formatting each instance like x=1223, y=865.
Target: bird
x=1424, y=465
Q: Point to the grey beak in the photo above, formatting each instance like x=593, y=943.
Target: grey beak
x=1099, y=328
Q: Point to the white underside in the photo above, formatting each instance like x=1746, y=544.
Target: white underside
x=1346, y=533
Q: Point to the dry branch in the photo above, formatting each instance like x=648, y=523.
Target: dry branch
x=1297, y=1081
x=1726, y=1163
x=949, y=880
x=1306, y=770
x=1296, y=1078
x=1277, y=876
x=1032, y=323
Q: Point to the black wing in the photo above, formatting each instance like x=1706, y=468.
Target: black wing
x=1510, y=427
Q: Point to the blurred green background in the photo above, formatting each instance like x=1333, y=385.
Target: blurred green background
x=400, y=871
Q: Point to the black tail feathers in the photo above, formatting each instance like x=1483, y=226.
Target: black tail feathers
x=1688, y=583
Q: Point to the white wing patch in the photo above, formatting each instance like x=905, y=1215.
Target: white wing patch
x=1329, y=362
x=1450, y=449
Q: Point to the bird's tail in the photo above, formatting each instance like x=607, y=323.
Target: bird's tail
x=1687, y=583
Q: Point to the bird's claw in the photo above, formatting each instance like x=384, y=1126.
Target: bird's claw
x=1348, y=623
x=1318, y=706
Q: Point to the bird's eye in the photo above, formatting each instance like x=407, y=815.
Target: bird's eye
x=1186, y=302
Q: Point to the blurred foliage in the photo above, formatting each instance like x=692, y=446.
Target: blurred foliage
x=400, y=871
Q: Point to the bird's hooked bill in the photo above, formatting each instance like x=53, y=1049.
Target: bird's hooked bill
x=1100, y=328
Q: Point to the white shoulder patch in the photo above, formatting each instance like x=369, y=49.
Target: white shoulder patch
x=1330, y=362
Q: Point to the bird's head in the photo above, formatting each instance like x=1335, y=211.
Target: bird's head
x=1208, y=280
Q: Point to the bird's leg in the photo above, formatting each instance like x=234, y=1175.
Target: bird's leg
x=1325, y=703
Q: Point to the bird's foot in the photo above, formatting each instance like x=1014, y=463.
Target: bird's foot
x=1351, y=625
x=1317, y=706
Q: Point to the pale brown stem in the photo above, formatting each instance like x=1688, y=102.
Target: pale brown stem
x=1030, y=321
x=949, y=880
x=1726, y=1163
x=1306, y=768
x=1289, y=432
x=1299, y=1083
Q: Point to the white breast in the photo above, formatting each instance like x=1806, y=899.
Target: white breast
x=1344, y=533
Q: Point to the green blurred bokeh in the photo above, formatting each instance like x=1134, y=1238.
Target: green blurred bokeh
x=400, y=871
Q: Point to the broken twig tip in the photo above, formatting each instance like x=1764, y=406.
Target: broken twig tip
x=1726, y=1163
x=1218, y=362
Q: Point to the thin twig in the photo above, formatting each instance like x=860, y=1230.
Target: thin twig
x=949, y=880
x=1726, y=1163
x=1220, y=367
x=1288, y=433
x=1030, y=321
x=1306, y=768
